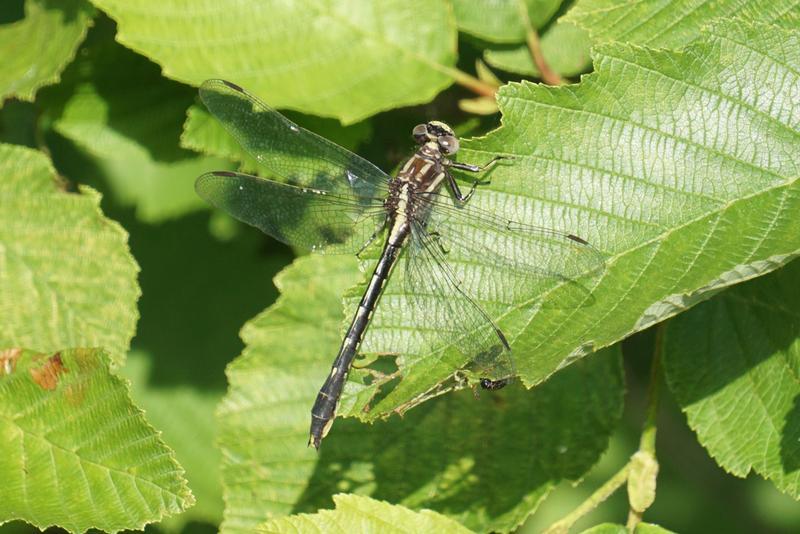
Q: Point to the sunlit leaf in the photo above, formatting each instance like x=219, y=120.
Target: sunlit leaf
x=66, y=273
x=362, y=514
x=671, y=23
x=78, y=453
x=347, y=60
x=681, y=167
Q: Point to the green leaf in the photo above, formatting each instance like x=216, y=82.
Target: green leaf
x=681, y=167
x=485, y=462
x=118, y=109
x=362, y=514
x=565, y=47
x=203, y=133
x=347, y=60
x=611, y=528
x=66, y=274
x=734, y=365
x=499, y=21
x=35, y=49
x=78, y=453
x=673, y=24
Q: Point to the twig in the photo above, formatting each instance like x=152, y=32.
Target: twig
x=470, y=82
x=601, y=494
x=549, y=76
x=647, y=442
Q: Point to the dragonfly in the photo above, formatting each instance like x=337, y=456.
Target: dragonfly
x=329, y=200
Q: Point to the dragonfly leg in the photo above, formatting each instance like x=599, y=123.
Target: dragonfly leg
x=470, y=168
x=478, y=168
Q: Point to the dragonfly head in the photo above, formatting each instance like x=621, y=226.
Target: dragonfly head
x=439, y=132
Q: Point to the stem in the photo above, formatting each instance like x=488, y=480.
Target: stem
x=470, y=82
x=549, y=76
x=601, y=494
x=647, y=442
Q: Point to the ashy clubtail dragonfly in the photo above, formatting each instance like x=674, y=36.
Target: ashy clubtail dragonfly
x=333, y=201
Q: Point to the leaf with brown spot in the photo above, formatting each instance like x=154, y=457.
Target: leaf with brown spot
x=47, y=374
x=71, y=435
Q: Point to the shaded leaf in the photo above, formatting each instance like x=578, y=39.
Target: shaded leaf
x=186, y=416
x=118, y=109
x=66, y=273
x=485, y=462
x=499, y=21
x=78, y=453
x=35, y=49
x=355, y=513
x=734, y=364
x=347, y=60
x=565, y=48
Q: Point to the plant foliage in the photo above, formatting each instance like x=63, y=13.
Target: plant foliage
x=667, y=135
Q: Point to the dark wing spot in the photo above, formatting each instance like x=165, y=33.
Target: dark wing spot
x=47, y=375
x=233, y=86
x=227, y=174
x=332, y=234
x=577, y=239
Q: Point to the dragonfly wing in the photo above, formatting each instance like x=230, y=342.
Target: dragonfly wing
x=298, y=156
x=300, y=216
x=448, y=313
x=537, y=256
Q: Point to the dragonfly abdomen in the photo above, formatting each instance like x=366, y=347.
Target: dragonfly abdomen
x=324, y=409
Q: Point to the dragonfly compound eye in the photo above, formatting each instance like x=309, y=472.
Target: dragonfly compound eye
x=448, y=144
x=420, y=133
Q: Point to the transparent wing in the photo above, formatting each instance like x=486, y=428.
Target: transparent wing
x=309, y=218
x=293, y=153
x=448, y=312
x=537, y=256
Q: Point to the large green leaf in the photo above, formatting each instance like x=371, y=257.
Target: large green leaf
x=361, y=514
x=35, y=49
x=118, y=109
x=77, y=452
x=486, y=462
x=682, y=167
x=66, y=274
x=499, y=21
x=734, y=365
x=673, y=23
x=347, y=60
